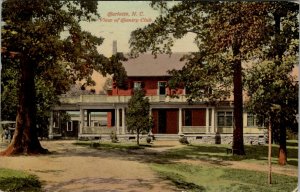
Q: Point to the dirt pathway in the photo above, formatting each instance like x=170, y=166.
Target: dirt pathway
x=75, y=168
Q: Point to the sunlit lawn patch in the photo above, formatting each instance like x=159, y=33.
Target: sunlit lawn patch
x=12, y=180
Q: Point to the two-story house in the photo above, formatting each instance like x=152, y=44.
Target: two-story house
x=98, y=115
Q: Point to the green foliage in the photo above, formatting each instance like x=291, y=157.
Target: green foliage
x=204, y=78
x=44, y=39
x=183, y=140
x=9, y=94
x=272, y=85
x=137, y=115
x=226, y=34
x=13, y=181
x=148, y=139
x=113, y=137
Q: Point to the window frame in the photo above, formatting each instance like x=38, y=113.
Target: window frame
x=254, y=121
x=70, y=128
x=159, y=83
x=135, y=87
x=227, y=115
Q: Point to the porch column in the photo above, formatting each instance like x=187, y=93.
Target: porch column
x=207, y=120
x=180, y=121
x=117, y=120
x=213, y=129
x=81, y=121
x=150, y=114
x=88, y=118
x=51, y=126
x=123, y=121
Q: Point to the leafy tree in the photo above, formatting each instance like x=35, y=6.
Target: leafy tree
x=270, y=81
x=9, y=98
x=230, y=31
x=209, y=82
x=269, y=84
x=137, y=115
x=107, y=85
x=45, y=43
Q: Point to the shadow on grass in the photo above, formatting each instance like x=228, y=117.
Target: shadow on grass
x=292, y=162
x=213, y=152
x=292, y=143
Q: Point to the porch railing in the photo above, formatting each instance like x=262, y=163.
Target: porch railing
x=194, y=129
x=115, y=99
x=225, y=129
x=98, y=130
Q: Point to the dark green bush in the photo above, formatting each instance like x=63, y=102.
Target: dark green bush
x=113, y=137
x=16, y=184
x=183, y=140
x=149, y=139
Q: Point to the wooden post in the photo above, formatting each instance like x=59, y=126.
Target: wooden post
x=270, y=153
x=180, y=121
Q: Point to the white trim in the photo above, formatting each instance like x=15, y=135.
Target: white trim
x=207, y=120
x=71, y=127
x=158, y=88
x=117, y=125
x=213, y=120
x=81, y=122
x=123, y=120
x=180, y=121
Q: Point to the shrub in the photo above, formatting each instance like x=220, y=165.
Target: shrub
x=113, y=137
x=149, y=139
x=94, y=145
x=183, y=140
x=28, y=183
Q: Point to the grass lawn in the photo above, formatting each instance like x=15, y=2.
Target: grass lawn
x=211, y=178
x=254, y=153
x=13, y=181
x=216, y=178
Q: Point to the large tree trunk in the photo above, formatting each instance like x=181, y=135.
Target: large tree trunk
x=238, y=138
x=282, y=156
x=25, y=140
x=279, y=50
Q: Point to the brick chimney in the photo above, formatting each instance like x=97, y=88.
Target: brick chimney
x=114, y=48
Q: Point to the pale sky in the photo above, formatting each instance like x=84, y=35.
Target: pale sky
x=118, y=20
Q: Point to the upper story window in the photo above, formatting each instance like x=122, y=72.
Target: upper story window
x=162, y=88
x=225, y=119
x=137, y=85
x=187, y=90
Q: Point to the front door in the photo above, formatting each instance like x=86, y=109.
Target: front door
x=162, y=121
